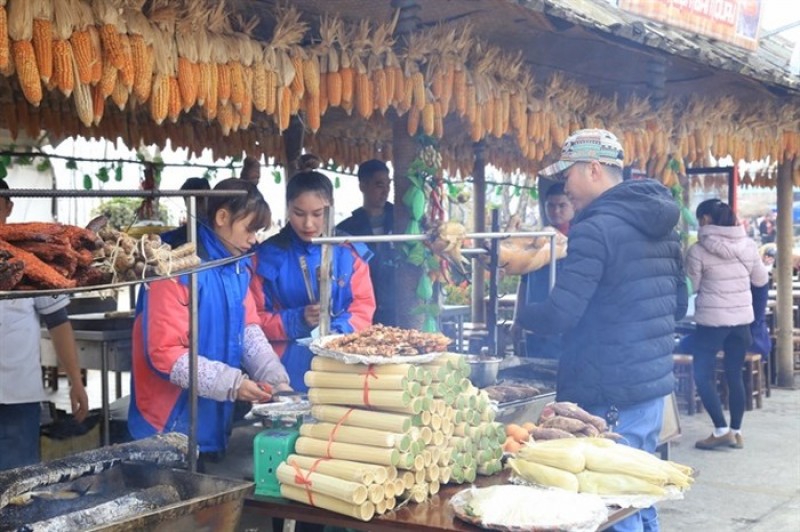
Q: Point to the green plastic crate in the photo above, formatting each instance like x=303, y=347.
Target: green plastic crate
x=270, y=448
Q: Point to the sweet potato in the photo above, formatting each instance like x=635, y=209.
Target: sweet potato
x=547, y=413
x=573, y=411
x=567, y=424
x=541, y=433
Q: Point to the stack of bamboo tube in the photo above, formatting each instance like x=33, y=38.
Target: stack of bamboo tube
x=387, y=433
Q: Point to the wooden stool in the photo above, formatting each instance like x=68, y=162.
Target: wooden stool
x=685, y=389
x=752, y=380
x=752, y=374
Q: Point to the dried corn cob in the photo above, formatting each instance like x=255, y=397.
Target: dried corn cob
x=81, y=43
x=142, y=62
x=112, y=46
x=159, y=98
x=63, y=72
x=5, y=44
x=223, y=82
x=120, y=94
x=97, y=55
x=237, y=84
x=27, y=71
x=98, y=104
x=108, y=80
x=334, y=83
x=43, y=47
x=175, y=104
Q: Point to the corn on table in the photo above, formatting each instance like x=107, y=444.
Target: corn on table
x=434, y=515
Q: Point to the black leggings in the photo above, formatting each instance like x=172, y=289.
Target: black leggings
x=734, y=341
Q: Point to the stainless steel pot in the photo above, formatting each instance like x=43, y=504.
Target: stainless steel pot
x=483, y=369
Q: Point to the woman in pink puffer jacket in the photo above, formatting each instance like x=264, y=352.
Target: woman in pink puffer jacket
x=722, y=265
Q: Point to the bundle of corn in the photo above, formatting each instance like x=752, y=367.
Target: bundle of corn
x=600, y=466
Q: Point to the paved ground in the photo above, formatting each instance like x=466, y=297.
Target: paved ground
x=755, y=489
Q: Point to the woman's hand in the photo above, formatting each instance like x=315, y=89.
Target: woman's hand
x=254, y=392
x=311, y=315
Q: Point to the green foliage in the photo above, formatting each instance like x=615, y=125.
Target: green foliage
x=121, y=212
x=508, y=284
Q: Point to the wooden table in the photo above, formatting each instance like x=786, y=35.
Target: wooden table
x=434, y=515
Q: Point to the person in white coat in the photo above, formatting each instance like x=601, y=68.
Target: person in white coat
x=722, y=266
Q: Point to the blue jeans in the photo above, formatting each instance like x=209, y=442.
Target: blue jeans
x=19, y=434
x=640, y=425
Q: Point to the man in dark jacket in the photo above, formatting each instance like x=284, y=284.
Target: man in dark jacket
x=617, y=295
x=376, y=217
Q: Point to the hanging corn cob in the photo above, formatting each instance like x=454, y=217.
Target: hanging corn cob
x=20, y=31
x=43, y=37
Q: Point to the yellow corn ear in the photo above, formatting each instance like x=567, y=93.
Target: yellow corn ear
x=246, y=112
x=81, y=44
x=365, y=104
x=334, y=83
x=223, y=82
x=97, y=55
x=159, y=98
x=63, y=71
x=615, y=484
x=120, y=94
x=438, y=120
x=381, y=90
x=43, y=47
x=142, y=63
x=259, y=87
x=237, y=84
x=175, y=104
x=212, y=101
x=127, y=71
x=311, y=75
x=313, y=115
x=108, y=80
x=428, y=118
x=284, y=108
x=112, y=46
x=298, y=86
x=544, y=475
x=460, y=91
x=272, y=92
x=27, y=71
x=347, y=74
x=413, y=121
x=83, y=102
x=98, y=104
x=5, y=44
x=225, y=118
x=419, y=100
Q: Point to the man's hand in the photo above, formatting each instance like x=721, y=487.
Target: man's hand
x=80, y=401
x=311, y=315
x=253, y=392
x=283, y=387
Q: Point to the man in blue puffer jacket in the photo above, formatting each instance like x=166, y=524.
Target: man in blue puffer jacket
x=617, y=296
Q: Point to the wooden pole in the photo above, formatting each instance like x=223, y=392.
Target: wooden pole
x=479, y=223
x=783, y=277
x=404, y=150
x=293, y=142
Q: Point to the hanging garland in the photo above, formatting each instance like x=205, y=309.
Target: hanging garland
x=424, y=195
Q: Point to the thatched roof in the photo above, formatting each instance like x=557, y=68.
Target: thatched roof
x=526, y=73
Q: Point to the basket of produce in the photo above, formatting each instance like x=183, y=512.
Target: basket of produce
x=380, y=344
x=527, y=509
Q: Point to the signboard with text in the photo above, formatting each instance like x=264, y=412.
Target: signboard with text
x=732, y=21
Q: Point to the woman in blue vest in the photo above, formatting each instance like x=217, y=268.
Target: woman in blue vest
x=236, y=362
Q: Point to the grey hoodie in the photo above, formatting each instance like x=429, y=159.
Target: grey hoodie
x=722, y=265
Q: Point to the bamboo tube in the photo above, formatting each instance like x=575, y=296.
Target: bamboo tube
x=444, y=474
x=323, y=379
x=375, y=493
x=337, y=488
x=419, y=463
x=391, y=502
x=426, y=457
x=424, y=376
x=396, y=423
x=380, y=507
x=362, y=512
x=419, y=492
x=406, y=461
x=344, y=469
x=470, y=473
x=335, y=366
x=438, y=438
x=359, y=435
x=426, y=435
x=449, y=413
x=426, y=419
x=436, y=453
x=413, y=407
x=441, y=408
x=419, y=477
x=432, y=473
x=427, y=404
x=347, y=451
x=389, y=490
x=399, y=486
x=457, y=475
x=391, y=473
x=433, y=487
x=403, y=442
x=378, y=398
x=408, y=480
